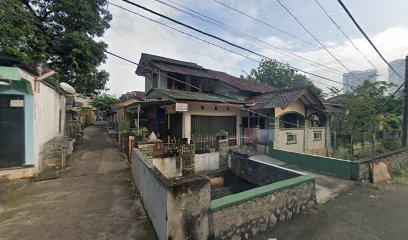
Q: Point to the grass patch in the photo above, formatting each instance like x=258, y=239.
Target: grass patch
x=401, y=177
x=368, y=184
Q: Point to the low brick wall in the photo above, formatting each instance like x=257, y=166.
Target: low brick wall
x=243, y=215
x=396, y=160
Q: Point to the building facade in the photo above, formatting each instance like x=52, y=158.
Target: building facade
x=32, y=112
x=355, y=78
x=186, y=101
x=399, y=67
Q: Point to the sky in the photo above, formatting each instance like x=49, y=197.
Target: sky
x=130, y=35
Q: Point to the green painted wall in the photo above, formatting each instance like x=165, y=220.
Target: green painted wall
x=338, y=167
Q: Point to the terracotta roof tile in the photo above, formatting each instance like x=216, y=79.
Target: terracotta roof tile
x=192, y=69
x=283, y=98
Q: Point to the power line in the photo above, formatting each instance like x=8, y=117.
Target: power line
x=368, y=39
x=237, y=32
x=227, y=42
x=185, y=33
x=345, y=35
x=379, y=53
x=200, y=39
x=280, y=30
x=316, y=39
x=160, y=73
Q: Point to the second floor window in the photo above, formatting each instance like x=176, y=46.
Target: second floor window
x=179, y=84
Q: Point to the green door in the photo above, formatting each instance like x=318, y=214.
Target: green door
x=176, y=124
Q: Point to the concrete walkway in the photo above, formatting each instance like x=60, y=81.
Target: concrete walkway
x=327, y=186
x=95, y=199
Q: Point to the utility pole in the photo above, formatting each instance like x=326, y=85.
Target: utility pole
x=405, y=113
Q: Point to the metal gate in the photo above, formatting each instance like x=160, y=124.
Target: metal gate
x=211, y=125
x=12, y=144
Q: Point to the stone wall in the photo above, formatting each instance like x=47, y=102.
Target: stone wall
x=245, y=219
x=396, y=160
x=223, y=148
x=146, y=150
x=258, y=172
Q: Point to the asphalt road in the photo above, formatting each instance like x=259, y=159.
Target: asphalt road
x=95, y=199
x=360, y=213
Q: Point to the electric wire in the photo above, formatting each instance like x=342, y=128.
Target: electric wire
x=317, y=40
x=236, y=32
x=280, y=30
x=227, y=42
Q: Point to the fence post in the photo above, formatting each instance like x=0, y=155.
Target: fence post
x=273, y=132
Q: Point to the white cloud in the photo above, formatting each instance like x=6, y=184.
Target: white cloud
x=130, y=35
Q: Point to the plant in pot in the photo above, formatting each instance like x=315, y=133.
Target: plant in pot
x=222, y=134
x=141, y=133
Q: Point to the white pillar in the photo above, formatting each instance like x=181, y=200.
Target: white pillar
x=186, y=130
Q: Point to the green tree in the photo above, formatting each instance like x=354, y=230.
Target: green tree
x=362, y=108
x=102, y=102
x=281, y=76
x=58, y=34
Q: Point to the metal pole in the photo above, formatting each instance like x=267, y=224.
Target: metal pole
x=405, y=113
x=138, y=117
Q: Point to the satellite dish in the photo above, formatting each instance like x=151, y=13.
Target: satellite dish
x=67, y=88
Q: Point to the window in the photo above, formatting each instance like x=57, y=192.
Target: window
x=291, y=138
x=317, y=135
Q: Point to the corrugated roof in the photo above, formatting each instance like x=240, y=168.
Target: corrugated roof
x=283, y=98
x=192, y=69
x=179, y=95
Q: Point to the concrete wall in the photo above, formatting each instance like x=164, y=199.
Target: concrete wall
x=270, y=204
x=49, y=118
x=259, y=173
x=313, y=146
x=178, y=208
x=206, y=162
x=338, y=167
x=150, y=187
x=396, y=161
x=281, y=140
x=172, y=167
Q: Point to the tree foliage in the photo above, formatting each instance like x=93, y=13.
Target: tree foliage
x=103, y=101
x=281, y=76
x=58, y=34
x=362, y=106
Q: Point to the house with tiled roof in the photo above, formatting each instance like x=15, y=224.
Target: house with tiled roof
x=184, y=99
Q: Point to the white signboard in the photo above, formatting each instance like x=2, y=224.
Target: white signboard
x=181, y=107
x=16, y=103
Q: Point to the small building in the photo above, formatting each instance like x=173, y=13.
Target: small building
x=32, y=113
x=185, y=100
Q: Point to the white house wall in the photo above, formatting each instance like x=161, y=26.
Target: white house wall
x=297, y=106
x=47, y=105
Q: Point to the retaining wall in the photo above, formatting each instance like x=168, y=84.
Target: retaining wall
x=396, y=161
x=259, y=173
x=243, y=215
x=338, y=167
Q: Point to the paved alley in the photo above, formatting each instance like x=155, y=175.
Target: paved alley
x=94, y=199
x=361, y=213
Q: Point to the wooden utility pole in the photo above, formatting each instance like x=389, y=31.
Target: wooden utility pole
x=405, y=113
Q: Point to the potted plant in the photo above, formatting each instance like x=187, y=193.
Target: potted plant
x=140, y=134
x=222, y=134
